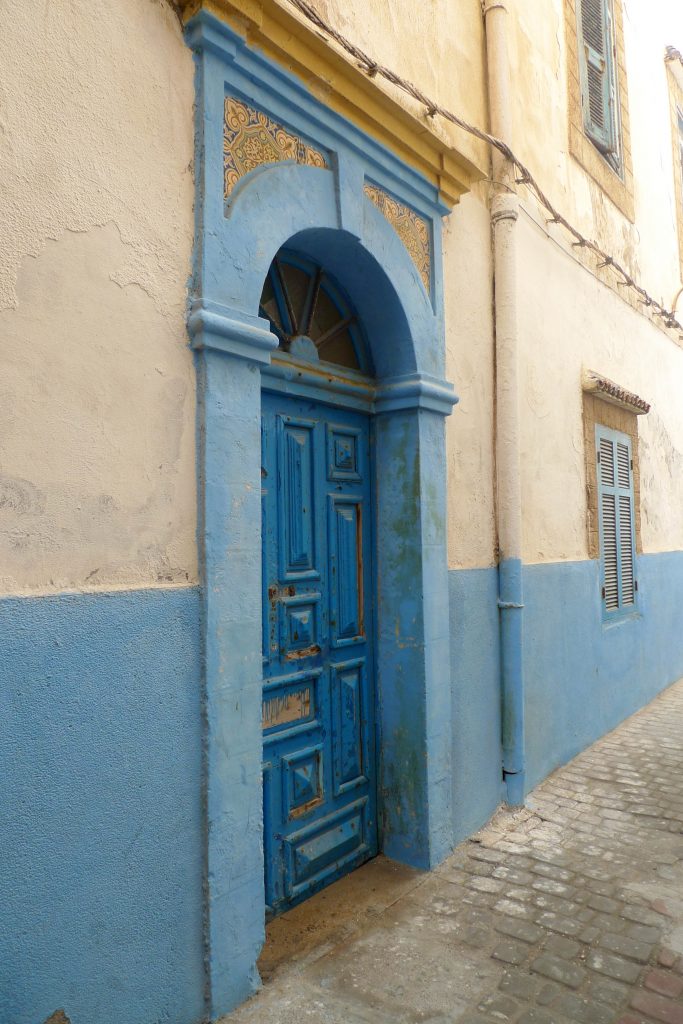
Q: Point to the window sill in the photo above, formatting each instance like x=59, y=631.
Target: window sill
x=615, y=619
x=619, y=190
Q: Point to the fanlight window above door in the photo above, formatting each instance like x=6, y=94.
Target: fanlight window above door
x=310, y=315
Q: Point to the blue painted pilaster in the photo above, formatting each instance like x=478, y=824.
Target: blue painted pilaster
x=230, y=533
x=413, y=637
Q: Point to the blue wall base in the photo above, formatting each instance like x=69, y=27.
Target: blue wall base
x=583, y=677
x=475, y=680
x=103, y=851
x=101, y=844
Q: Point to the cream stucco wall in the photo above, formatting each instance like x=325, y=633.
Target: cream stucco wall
x=656, y=242
x=570, y=321
x=568, y=318
x=467, y=269
x=437, y=45
x=646, y=247
x=97, y=467
x=96, y=227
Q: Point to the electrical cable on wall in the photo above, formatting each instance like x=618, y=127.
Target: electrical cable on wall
x=525, y=177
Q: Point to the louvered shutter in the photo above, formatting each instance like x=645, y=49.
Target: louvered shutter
x=616, y=518
x=626, y=525
x=608, y=524
x=598, y=86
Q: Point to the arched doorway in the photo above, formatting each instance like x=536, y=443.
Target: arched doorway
x=347, y=178
x=319, y=693
x=297, y=208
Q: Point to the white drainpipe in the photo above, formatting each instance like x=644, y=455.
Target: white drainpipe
x=504, y=213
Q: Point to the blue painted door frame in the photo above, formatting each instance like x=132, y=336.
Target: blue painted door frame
x=324, y=214
x=319, y=771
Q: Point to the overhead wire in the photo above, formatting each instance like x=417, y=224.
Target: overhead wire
x=523, y=175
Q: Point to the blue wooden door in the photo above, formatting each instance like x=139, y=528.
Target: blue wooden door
x=319, y=780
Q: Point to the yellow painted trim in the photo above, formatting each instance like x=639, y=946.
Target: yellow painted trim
x=411, y=228
x=334, y=80
x=618, y=189
x=251, y=139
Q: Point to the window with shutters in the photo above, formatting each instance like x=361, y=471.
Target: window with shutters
x=597, y=97
x=597, y=62
x=616, y=516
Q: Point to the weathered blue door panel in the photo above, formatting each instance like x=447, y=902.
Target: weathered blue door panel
x=319, y=780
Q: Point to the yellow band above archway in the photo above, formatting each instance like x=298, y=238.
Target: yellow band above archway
x=333, y=80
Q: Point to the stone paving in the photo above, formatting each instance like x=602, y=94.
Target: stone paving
x=569, y=910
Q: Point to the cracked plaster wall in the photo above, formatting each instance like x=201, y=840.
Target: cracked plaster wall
x=97, y=472
x=97, y=463
x=567, y=319
x=588, y=325
x=540, y=70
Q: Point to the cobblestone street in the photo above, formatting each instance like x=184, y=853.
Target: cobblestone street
x=568, y=910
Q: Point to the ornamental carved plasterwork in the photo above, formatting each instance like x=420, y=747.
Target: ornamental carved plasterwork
x=251, y=138
x=412, y=229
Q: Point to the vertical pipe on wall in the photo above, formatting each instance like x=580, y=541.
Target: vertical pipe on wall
x=504, y=212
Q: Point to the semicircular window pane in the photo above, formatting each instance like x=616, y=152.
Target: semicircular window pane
x=310, y=314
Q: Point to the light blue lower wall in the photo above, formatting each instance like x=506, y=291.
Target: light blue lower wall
x=100, y=759
x=582, y=678
x=475, y=680
x=101, y=844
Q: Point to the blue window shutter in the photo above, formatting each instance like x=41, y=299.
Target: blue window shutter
x=598, y=79
x=627, y=579
x=616, y=519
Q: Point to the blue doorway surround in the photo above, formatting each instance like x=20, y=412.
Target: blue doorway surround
x=343, y=201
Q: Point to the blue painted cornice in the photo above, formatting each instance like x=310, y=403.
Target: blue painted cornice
x=212, y=326
x=321, y=382
x=415, y=391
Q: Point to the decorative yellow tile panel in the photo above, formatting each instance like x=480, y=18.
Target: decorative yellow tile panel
x=251, y=138
x=412, y=229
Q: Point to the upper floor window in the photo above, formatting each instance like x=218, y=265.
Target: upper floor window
x=598, y=72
